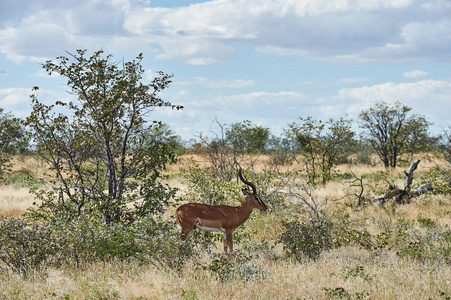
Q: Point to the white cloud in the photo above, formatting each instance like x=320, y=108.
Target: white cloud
x=13, y=96
x=424, y=89
x=310, y=82
x=17, y=100
x=204, y=33
x=150, y=75
x=415, y=74
x=43, y=30
x=426, y=97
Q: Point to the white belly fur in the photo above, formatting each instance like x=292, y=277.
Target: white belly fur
x=210, y=229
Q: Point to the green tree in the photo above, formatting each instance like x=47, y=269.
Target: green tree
x=392, y=132
x=13, y=139
x=248, y=138
x=323, y=144
x=13, y=136
x=164, y=134
x=103, y=151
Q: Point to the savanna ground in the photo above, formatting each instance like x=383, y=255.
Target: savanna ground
x=413, y=267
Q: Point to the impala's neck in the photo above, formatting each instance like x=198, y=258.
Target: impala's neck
x=244, y=210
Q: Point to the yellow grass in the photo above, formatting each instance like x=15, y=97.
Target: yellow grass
x=381, y=277
x=14, y=200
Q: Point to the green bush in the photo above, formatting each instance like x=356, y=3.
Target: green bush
x=25, y=247
x=148, y=241
x=91, y=240
x=426, y=221
x=440, y=179
x=307, y=240
x=364, y=157
x=34, y=246
x=432, y=245
x=341, y=293
x=236, y=267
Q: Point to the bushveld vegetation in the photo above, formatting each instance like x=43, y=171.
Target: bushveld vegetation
x=88, y=209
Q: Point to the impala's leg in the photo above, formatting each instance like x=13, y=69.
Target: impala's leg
x=185, y=233
x=225, y=240
x=186, y=228
x=228, y=242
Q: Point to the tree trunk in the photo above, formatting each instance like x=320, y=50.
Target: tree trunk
x=403, y=196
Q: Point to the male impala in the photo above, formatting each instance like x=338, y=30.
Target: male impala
x=219, y=217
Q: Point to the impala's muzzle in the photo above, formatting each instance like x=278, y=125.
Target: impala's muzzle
x=263, y=205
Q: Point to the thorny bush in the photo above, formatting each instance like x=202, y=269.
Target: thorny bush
x=307, y=240
x=25, y=247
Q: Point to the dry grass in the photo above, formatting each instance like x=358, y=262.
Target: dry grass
x=345, y=273
x=35, y=165
x=381, y=277
x=14, y=200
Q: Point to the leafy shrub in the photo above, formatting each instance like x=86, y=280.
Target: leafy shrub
x=364, y=157
x=189, y=295
x=92, y=240
x=341, y=293
x=440, y=178
x=237, y=267
x=163, y=247
x=259, y=248
x=431, y=246
x=426, y=221
x=307, y=240
x=251, y=271
x=150, y=240
x=25, y=247
x=222, y=268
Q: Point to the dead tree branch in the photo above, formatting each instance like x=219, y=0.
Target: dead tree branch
x=402, y=196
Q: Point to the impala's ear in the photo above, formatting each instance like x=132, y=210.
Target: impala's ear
x=245, y=191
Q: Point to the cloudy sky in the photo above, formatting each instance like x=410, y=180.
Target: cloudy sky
x=267, y=61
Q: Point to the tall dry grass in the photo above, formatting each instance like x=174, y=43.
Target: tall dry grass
x=14, y=200
x=347, y=273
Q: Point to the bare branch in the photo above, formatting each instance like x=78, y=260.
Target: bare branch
x=404, y=195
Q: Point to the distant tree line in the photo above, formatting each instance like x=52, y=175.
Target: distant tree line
x=389, y=131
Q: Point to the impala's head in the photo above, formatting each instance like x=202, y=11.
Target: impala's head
x=252, y=195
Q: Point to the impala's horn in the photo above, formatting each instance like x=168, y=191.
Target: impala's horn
x=254, y=188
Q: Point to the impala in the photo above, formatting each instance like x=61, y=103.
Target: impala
x=222, y=218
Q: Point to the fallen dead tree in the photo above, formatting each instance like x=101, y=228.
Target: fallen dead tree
x=402, y=196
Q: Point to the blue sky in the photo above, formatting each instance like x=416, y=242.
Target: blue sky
x=267, y=61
